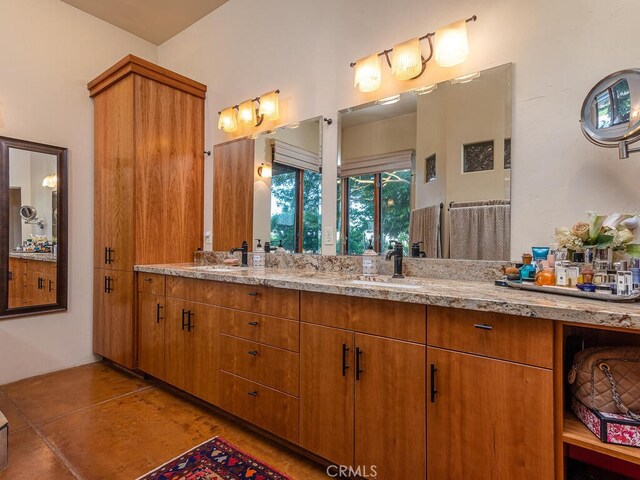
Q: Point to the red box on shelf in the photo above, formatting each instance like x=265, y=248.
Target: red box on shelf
x=608, y=427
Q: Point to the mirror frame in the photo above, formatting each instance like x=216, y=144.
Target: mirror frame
x=62, y=258
x=611, y=137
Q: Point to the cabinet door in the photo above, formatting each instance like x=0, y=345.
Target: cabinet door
x=176, y=343
x=113, y=315
x=17, y=283
x=327, y=392
x=390, y=407
x=151, y=322
x=114, y=176
x=489, y=419
x=233, y=163
x=203, y=352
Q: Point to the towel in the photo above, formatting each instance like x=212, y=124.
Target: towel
x=424, y=226
x=480, y=230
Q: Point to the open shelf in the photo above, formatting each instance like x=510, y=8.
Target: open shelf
x=576, y=433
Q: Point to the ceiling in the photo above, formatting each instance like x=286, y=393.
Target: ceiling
x=154, y=20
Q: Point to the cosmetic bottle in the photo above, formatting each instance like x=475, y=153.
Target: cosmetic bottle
x=546, y=276
x=259, y=256
x=369, y=261
x=527, y=271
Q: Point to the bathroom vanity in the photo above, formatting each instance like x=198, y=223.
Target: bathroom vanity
x=380, y=372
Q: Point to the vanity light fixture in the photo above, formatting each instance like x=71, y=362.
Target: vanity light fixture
x=247, y=113
x=50, y=181
x=264, y=170
x=407, y=63
x=465, y=78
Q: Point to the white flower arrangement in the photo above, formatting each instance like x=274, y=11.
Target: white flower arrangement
x=601, y=231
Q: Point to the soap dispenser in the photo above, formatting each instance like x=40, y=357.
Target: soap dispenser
x=259, y=256
x=369, y=260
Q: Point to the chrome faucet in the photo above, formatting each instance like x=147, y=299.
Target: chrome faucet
x=396, y=253
x=245, y=250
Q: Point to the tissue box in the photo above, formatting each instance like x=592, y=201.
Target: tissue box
x=608, y=427
x=4, y=442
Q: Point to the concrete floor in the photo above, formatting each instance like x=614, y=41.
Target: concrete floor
x=97, y=422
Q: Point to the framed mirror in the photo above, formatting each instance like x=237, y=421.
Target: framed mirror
x=610, y=114
x=288, y=187
x=33, y=228
x=430, y=168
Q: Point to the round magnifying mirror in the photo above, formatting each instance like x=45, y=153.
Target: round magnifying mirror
x=611, y=111
x=28, y=212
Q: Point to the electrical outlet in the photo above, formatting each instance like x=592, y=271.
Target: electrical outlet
x=329, y=236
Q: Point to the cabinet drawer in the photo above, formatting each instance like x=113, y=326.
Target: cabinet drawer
x=274, y=411
x=279, y=369
x=508, y=337
x=277, y=302
x=151, y=283
x=277, y=332
x=402, y=321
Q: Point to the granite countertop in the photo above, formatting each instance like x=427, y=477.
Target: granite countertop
x=43, y=257
x=481, y=296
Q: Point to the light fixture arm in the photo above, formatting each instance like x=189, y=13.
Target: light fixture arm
x=429, y=37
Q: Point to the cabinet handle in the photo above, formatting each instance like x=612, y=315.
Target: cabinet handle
x=147, y=280
x=106, y=256
x=190, y=326
x=345, y=350
x=184, y=312
x=109, y=252
x=358, y=369
x=107, y=284
x=253, y=324
x=158, y=317
x=482, y=326
x=253, y=352
x=50, y=286
x=253, y=394
x=433, y=383
x=253, y=294
x=10, y=276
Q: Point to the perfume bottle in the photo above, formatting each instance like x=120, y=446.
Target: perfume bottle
x=546, y=276
x=527, y=271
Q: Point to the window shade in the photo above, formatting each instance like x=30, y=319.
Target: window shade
x=386, y=162
x=287, y=154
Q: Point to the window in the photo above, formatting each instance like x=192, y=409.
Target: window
x=296, y=209
x=613, y=105
x=478, y=157
x=507, y=153
x=430, y=168
x=377, y=207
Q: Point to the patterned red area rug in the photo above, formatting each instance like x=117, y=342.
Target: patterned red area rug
x=214, y=459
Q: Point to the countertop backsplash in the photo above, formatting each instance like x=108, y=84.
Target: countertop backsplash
x=437, y=268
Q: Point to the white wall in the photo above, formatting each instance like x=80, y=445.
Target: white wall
x=382, y=136
x=559, y=50
x=49, y=52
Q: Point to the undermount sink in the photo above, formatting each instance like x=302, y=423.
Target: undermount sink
x=383, y=283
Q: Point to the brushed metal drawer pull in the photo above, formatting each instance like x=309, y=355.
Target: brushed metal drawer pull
x=253, y=324
x=253, y=294
x=483, y=326
x=253, y=394
x=253, y=352
x=148, y=280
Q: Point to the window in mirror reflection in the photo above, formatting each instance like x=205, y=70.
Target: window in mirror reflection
x=296, y=209
x=378, y=208
x=613, y=105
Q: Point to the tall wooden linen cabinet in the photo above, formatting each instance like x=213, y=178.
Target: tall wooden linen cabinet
x=149, y=188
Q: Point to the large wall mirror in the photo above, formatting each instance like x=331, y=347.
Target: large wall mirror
x=430, y=167
x=288, y=187
x=33, y=225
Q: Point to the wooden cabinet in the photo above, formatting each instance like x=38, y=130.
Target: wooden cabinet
x=148, y=172
x=32, y=282
x=233, y=185
x=151, y=326
x=191, y=348
x=362, y=400
x=489, y=419
x=113, y=305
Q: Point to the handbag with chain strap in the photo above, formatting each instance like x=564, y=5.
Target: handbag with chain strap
x=607, y=379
